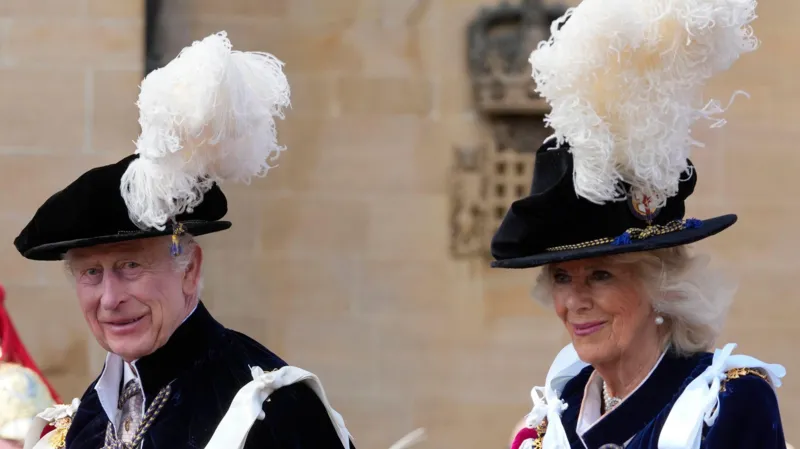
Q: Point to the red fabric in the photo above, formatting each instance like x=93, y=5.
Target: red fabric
x=47, y=429
x=524, y=434
x=13, y=350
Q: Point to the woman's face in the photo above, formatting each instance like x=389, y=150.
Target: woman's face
x=604, y=308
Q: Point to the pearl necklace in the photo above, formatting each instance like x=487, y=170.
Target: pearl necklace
x=610, y=401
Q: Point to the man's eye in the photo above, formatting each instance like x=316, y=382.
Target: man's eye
x=131, y=265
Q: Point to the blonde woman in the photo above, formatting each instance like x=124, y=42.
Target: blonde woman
x=606, y=222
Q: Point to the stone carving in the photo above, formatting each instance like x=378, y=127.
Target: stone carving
x=488, y=177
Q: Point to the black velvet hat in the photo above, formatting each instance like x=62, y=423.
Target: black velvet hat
x=554, y=224
x=206, y=117
x=91, y=211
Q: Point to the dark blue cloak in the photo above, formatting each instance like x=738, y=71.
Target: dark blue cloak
x=748, y=418
x=207, y=365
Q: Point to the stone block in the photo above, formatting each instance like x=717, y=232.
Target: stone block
x=42, y=110
x=42, y=8
x=63, y=42
x=245, y=9
x=51, y=325
x=343, y=11
x=363, y=154
x=455, y=94
x=449, y=422
x=756, y=170
x=244, y=212
x=311, y=226
x=312, y=95
x=368, y=96
x=115, y=116
x=340, y=351
x=398, y=38
x=40, y=176
x=759, y=237
x=233, y=283
x=409, y=228
x=117, y=9
x=402, y=290
x=319, y=288
x=764, y=299
x=15, y=268
x=374, y=421
x=304, y=47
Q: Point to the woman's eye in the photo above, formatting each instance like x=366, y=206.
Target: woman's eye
x=601, y=275
x=561, y=278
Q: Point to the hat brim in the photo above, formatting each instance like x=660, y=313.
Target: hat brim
x=57, y=250
x=708, y=228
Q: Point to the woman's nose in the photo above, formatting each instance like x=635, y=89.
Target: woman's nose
x=579, y=298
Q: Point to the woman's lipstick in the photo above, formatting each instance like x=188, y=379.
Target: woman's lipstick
x=584, y=329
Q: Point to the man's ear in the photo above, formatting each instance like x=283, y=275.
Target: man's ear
x=191, y=277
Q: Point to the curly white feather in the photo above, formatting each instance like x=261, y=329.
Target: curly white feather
x=624, y=80
x=206, y=117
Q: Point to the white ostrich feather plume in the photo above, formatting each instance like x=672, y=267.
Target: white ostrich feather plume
x=624, y=80
x=208, y=116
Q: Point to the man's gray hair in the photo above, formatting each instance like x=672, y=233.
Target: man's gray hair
x=181, y=261
x=693, y=298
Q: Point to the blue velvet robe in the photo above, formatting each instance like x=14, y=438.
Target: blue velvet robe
x=207, y=365
x=748, y=410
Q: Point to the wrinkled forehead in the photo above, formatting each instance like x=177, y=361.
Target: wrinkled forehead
x=583, y=265
x=141, y=248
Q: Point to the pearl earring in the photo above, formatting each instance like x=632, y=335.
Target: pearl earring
x=659, y=320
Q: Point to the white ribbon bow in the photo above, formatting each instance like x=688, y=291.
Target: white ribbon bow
x=699, y=402
x=34, y=438
x=247, y=406
x=548, y=404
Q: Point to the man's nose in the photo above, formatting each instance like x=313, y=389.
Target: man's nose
x=112, y=292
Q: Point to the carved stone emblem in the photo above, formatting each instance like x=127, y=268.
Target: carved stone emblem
x=489, y=176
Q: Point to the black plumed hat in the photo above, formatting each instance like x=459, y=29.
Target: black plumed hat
x=617, y=174
x=554, y=224
x=91, y=211
x=206, y=117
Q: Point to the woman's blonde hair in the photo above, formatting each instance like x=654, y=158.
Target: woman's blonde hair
x=693, y=298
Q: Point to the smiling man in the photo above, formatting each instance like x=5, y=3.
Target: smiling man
x=174, y=377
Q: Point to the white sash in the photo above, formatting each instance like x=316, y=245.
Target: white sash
x=34, y=438
x=547, y=402
x=699, y=402
x=244, y=410
x=247, y=406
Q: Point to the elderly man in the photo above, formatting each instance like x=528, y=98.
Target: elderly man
x=172, y=370
x=174, y=377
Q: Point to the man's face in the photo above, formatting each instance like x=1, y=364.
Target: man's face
x=132, y=294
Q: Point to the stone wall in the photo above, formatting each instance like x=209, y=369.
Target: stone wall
x=339, y=259
x=69, y=71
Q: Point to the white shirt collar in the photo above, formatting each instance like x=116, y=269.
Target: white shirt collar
x=115, y=372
